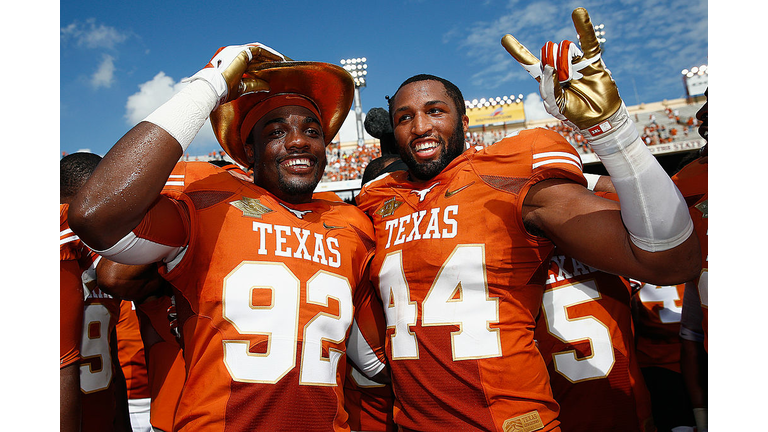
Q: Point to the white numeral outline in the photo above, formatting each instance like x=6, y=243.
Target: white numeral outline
x=279, y=321
x=555, y=304
x=92, y=380
x=458, y=296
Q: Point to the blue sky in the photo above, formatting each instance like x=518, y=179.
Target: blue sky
x=120, y=60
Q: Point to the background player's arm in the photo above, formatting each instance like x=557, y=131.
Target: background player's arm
x=590, y=229
x=129, y=282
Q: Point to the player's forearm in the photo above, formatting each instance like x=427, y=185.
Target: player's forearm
x=132, y=174
x=693, y=365
x=69, y=398
x=124, y=186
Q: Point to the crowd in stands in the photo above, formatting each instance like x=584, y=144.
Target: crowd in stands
x=348, y=165
x=661, y=127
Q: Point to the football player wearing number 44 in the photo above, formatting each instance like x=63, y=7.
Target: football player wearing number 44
x=268, y=281
x=463, y=238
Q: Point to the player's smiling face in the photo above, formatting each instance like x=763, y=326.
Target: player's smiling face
x=289, y=153
x=428, y=127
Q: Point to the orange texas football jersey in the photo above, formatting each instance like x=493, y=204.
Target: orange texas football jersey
x=368, y=403
x=165, y=363
x=266, y=292
x=584, y=333
x=130, y=352
x=657, y=311
x=72, y=250
x=461, y=282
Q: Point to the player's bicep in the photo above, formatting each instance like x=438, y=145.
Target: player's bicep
x=590, y=229
x=584, y=226
x=161, y=235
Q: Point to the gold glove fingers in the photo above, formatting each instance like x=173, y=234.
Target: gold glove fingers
x=519, y=52
x=582, y=90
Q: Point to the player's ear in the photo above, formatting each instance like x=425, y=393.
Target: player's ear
x=250, y=151
x=465, y=123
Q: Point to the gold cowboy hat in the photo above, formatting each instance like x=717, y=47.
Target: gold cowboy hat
x=324, y=88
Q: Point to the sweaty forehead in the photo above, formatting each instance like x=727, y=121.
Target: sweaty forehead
x=425, y=92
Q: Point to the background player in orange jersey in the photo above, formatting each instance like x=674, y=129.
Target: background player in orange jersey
x=463, y=239
x=584, y=332
x=74, y=170
x=266, y=279
x=692, y=181
x=657, y=312
x=155, y=312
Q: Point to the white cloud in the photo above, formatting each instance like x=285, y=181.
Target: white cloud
x=151, y=95
x=92, y=36
x=104, y=75
x=534, y=108
x=154, y=93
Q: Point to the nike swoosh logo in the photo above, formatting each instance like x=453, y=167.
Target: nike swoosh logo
x=330, y=227
x=449, y=194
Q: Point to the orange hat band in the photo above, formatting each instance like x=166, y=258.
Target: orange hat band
x=273, y=102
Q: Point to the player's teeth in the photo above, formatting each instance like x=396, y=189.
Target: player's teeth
x=293, y=162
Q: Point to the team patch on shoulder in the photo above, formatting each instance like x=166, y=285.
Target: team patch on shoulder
x=389, y=207
x=703, y=207
x=251, y=207
x=524, y=423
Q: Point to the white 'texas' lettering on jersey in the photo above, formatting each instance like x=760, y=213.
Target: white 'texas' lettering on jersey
x=295, y=242
x=440, y=224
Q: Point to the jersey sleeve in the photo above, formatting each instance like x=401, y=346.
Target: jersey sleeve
x=71, y=312
x=530, y=157
x=162, y=233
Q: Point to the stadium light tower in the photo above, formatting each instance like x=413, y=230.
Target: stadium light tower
x=695, y=80
x=600, y=33
x=358, y=68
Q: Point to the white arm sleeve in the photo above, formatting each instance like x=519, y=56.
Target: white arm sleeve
x=652, y=208
x=361, y=354
x=134, y=250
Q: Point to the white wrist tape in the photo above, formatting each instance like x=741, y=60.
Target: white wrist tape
x=652, y=208
x=700, y=416
x=185, y=113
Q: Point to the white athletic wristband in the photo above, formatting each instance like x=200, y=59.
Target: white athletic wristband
x=592, y=180
x=652, y=208
x=185, y=113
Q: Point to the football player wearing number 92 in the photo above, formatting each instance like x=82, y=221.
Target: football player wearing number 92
x=268, y=281
x=463, y=238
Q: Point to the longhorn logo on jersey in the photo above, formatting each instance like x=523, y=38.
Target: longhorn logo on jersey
x=423, y=193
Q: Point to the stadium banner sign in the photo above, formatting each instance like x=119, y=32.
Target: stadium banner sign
x=511, y=113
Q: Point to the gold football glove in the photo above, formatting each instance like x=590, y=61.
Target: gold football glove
x=574, y=83
x=225, y=70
